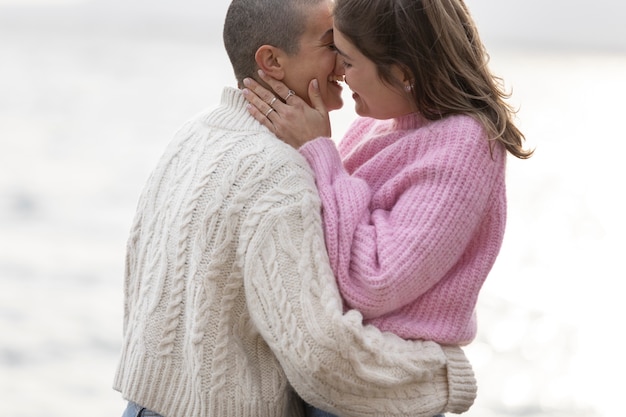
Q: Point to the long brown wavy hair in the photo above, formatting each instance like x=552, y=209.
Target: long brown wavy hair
x=437, y=45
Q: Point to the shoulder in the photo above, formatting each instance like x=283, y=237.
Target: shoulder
x=244, y=156
x=463, y=133
x=249, y=141
x=459, y=127
x=457, y=144
x=283, y=174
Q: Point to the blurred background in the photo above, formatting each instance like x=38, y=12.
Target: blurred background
x=91, y=91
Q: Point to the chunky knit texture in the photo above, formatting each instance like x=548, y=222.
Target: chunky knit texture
x=414, y=214
x=230, y=300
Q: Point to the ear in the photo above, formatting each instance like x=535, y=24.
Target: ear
x=402, y=75
x=270, y=59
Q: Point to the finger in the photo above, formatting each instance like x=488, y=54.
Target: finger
x=259, y=96
x=261, y=105
x=260, y=117
x=279, y=87
x=316, y=97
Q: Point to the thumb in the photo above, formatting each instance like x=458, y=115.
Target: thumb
x=316, y=96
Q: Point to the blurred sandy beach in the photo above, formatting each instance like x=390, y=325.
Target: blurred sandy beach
x=92, y=91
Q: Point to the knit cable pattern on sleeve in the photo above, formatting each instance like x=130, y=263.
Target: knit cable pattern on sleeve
x=230, y=302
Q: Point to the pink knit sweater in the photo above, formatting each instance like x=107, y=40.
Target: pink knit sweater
x=414, y=214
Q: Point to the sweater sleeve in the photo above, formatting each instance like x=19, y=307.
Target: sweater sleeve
x=387, y=256
x=330, y=358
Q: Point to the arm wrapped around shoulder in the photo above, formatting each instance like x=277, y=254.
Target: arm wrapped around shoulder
x=329, y=357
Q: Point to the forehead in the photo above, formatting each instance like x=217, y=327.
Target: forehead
x=318, y=21
x=344, y=46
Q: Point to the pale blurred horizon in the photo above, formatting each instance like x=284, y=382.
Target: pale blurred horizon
x=92, y=91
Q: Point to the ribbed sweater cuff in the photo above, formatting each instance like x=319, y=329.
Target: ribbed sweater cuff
x=166, y=389
x=461, y=380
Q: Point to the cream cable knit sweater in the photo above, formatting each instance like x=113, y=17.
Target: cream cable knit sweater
x=230, y=300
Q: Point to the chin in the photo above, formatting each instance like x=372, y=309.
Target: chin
x=335, y=106
x=333, y=102
x=359, y=110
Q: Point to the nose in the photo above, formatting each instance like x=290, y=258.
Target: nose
x=339, y=69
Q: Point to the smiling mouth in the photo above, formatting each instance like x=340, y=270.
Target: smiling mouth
x=336, y=79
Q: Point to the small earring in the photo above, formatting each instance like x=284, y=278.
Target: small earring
x=408, y=88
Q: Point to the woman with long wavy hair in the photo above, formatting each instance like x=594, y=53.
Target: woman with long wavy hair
x=414, y=198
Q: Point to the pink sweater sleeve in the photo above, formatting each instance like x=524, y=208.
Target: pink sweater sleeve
x=344, y=199
x=389, y=245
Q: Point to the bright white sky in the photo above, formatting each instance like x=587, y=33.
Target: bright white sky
x=40, y=2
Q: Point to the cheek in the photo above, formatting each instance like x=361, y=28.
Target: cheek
x=328, y=61
x=355, y=85
x=366, y=88
x=323, y=69
x=352, y=78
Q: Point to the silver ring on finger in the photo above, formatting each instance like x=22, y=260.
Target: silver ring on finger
x=272, y=101
x=267, y=113
x=289, y=94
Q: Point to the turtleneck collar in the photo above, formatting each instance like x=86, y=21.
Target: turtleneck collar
x=232, y=113
x=409, y=121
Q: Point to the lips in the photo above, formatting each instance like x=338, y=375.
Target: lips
x=335, y=80
x=334, y=91
x=336, y=85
